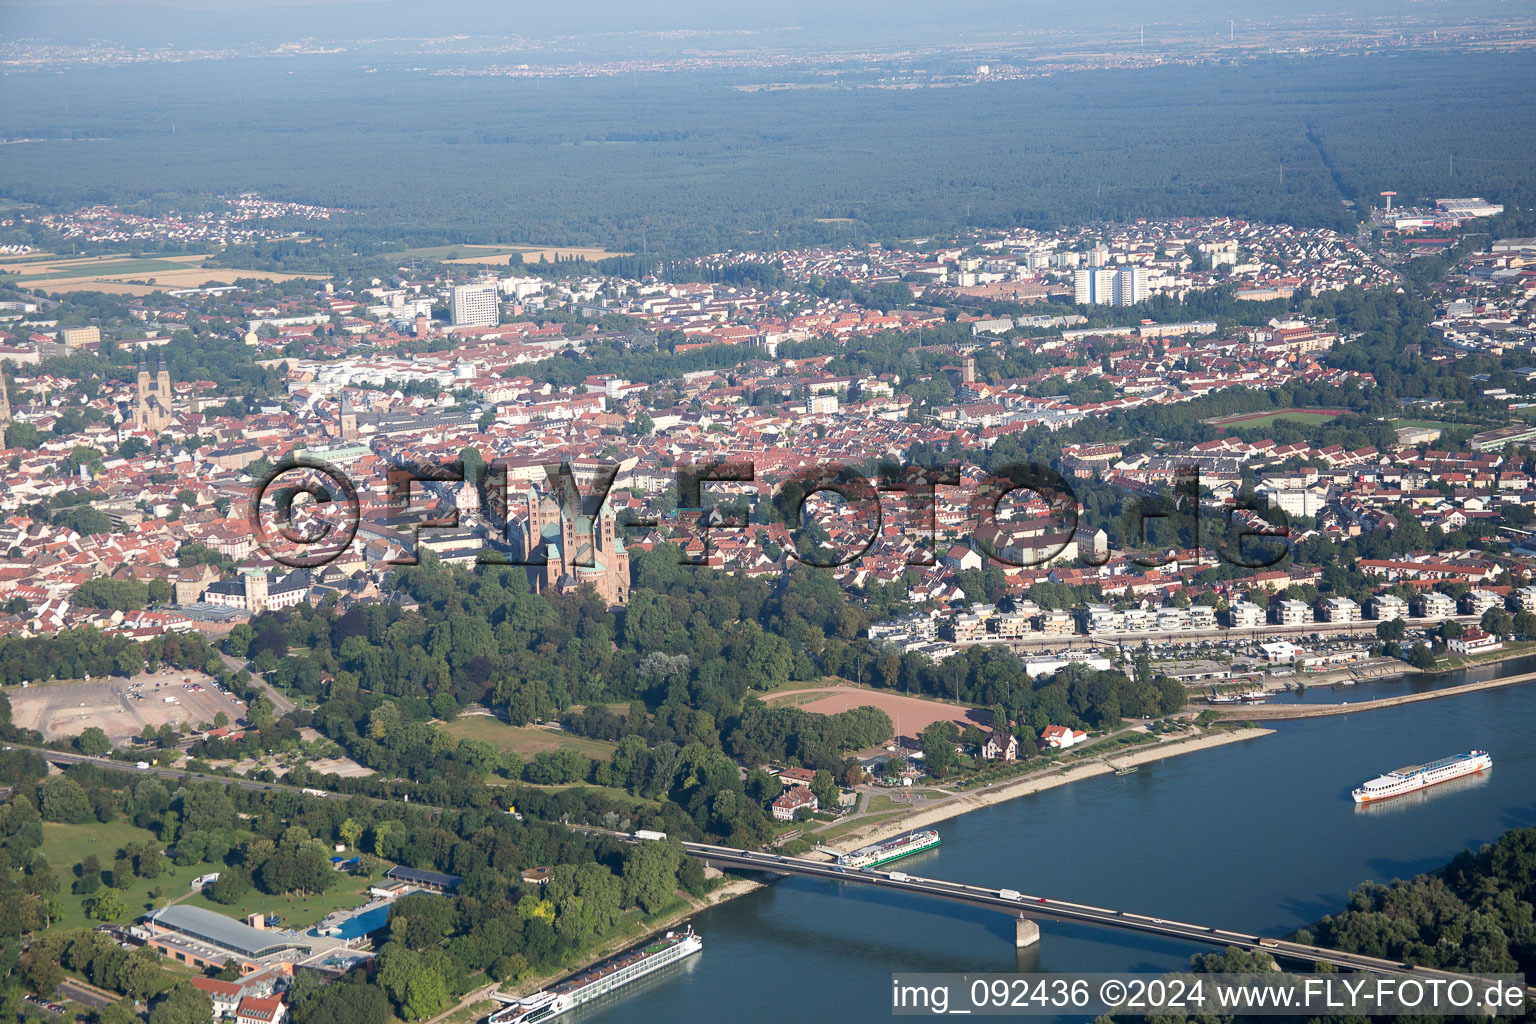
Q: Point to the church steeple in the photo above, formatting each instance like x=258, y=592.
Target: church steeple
x=348, y=419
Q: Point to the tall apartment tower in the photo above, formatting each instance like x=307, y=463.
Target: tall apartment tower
x=1130, y=286
x=1103, y=286
x=476, y=305
x=1082, y=287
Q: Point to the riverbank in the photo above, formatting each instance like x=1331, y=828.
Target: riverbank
x=1280, y=712
x=906, y=821
x=732, y=888
x=1392, y=670
x=1010, y=789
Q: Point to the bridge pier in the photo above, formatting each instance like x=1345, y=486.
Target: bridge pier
x=1026, y=932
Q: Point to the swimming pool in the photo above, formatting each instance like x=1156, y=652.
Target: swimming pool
x=362, y=924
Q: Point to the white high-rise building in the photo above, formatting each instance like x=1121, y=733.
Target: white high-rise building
x=1082, y=287
x=1094, y=287
x=1103, y=287
x=476, y=305
x=1130, y=286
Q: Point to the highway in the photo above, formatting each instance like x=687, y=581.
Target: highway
x=61, y=757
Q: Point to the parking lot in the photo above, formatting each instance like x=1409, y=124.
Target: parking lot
x=121, y=708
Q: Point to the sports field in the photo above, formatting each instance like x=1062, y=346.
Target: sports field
x=910, y=715
x=1263, y=419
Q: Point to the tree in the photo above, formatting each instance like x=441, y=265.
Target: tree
x=182, y=1005
x=1498, y=622
x=93, y=742
x=825, y=789
x=64, y=800
x=426, y=995
x=1421, y=657
x=650, y=873
x=938, y=742
x=107, y=905
x=1391, y=631
x=140, y=973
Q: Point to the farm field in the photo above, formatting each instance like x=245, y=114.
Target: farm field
x=526, y=740
x=500, y=255
x=122, y=274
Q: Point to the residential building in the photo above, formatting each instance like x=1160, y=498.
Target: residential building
x=1060, y=737
x=1291, y=613
x=1001, y=747
x=791, y=800
x=1340, y=609
x=261, y=1010
x=475, y=305
x=1388, y=606
x=1435, y=605
x=1474, y=641
x=1245, y=615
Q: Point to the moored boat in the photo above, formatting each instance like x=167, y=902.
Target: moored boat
x=600, y=980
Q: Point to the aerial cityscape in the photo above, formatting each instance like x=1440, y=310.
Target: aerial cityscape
x=632, y=513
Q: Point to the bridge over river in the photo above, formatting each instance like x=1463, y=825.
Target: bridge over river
x=1029, y=910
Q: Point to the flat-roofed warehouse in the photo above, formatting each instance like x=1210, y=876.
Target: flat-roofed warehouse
x=214, y=930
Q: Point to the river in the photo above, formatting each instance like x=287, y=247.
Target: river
x=1258, y=837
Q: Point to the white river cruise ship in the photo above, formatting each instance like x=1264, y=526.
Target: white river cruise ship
x=1422, y=776
x=599, y=980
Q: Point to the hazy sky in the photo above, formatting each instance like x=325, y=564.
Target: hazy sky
x=206, y=22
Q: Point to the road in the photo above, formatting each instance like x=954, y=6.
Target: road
x=280, y=705
x=63, y=757
x=86, y=995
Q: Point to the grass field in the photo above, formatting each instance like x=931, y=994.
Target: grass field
x=1426, y=424
x=842, y=828
x=888, y=802
x=68, y=845
x=297, y=912
x=526, y=740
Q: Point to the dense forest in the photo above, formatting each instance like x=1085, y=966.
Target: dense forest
x=687, y=164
